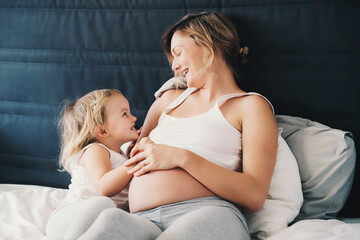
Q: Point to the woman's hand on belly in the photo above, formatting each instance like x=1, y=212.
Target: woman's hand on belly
x=149, y=156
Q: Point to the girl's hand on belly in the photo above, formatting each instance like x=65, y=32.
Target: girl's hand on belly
x=132, y=144
x=149, y=156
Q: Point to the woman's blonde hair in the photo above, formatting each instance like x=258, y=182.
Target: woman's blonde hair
x=211, y=30
x=78, y=122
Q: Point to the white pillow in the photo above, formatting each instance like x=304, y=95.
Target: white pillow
x=326, y=159
x=284, y=198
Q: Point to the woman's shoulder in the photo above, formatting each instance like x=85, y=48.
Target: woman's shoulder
x=251, y=102
x=167, y=98
x=247, y=108
x=171, y=95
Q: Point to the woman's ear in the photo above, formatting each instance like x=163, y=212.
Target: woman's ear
x=101, y=131
x=217, y=50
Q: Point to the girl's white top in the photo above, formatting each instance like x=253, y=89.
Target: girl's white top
x=81, y=188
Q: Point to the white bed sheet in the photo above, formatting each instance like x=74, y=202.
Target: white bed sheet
x=321, y=230
x=24, y=210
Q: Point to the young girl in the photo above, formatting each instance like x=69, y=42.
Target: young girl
x=92, y=131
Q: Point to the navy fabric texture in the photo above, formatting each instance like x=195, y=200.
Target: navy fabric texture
x=304, y=57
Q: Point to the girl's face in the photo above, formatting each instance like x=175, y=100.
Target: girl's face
x=119, y=123
x=187, y=58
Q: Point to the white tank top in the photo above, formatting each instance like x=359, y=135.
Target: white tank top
x=81, y=188
x=208, y=135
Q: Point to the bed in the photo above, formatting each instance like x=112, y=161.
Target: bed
x=304, y=57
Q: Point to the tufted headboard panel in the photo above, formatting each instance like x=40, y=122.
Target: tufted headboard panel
x=304, y=56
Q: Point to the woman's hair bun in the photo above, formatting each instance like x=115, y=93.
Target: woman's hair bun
x=244, y=51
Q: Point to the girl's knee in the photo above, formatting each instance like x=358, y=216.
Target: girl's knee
x=103, y=202
x=113, y=214
x=92, y=207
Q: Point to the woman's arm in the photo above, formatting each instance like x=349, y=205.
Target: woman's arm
x=259, y=143
x=250, y=188
x=106, y=181
x=153, y=115
x=155, y=111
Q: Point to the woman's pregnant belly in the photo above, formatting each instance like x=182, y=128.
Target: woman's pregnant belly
x=158, y=188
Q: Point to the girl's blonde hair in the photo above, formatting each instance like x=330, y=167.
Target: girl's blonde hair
x=211, y=30
x=78, y=123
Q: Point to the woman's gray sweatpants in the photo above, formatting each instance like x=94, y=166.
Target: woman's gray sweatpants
x=201, y=218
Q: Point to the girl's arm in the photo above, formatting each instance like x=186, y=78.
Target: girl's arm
x=96, y=159
x=259, y=143
x=106, y=181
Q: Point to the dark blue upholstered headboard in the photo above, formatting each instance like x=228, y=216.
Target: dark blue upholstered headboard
x=304, y=56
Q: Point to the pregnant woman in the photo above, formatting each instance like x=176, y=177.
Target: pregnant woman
x=204, y=152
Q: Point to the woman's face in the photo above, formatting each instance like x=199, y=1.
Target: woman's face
x=187, y=58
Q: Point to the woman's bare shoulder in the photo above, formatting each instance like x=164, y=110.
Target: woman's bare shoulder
x=167, y=98
x=252, y=103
